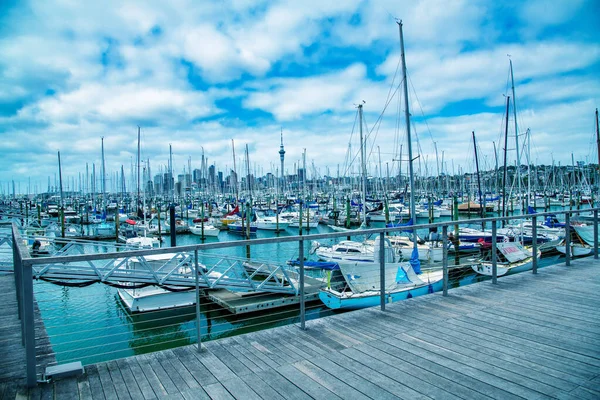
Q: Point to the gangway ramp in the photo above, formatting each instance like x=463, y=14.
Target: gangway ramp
x=166, y=267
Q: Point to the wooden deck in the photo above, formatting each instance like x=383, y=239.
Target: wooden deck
x=529, y=336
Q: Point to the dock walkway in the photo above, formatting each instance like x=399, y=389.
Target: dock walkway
x=529, y=336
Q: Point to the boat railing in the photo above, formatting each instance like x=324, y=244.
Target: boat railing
x=265, y=277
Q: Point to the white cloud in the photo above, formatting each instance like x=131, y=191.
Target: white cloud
x=331, y=56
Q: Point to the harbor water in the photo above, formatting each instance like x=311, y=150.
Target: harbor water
x=90, y=324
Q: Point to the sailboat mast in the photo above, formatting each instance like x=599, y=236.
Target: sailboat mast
x=512, y=80
x=598, y=143
x=407, y=116
x=363, y=171
x=103, y=178
x=138, y=172
x=504, y=199
x=481, y=207
x=234, y=171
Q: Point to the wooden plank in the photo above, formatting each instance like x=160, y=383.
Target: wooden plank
x=84, y=390
x=161, y=359
x=239, y=389
x=260, y=387
x=216, y=367
x=118, y=382
x=547, y=384
x=250, y=351
x=151, y=363
x=217, y=391
x=129, y=380
x=553, y=369
x=200, y=373
x=195, y=394
x=542, y=334
x=181, y=370
x=234, y=364
x=330, y=381
x=106, y=381
x=357, y=381
x=153, y=380
x=91, y=372
x=305, y=383
x=139, y=377
x=576, y=329
x=422, y=361
x=401, y=383
x=66, y=389
x=573, y=366
x=498, y=377
x=283, y=386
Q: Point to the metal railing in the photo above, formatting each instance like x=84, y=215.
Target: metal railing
x=103, y=268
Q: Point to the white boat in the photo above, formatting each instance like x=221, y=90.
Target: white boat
x=582, y=241
x=270, y=223
x=209, y=230
x=361, y=286
x=346, y=250
x=511, y=257
x=404, y=245
x=152, y=298
x=143, y=242
x=311, y=223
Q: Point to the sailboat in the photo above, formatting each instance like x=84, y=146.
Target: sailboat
x=361, y=285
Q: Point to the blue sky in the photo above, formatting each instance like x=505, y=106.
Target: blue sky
x=198, y=74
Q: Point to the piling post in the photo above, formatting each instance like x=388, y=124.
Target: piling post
x=382, y=270
x=568, y=239
x=534, y=249
x=494, y=248
x=172, y=225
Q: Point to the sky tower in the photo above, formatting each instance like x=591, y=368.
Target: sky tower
x=281, y=157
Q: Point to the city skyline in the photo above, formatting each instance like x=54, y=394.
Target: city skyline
x=200, y=77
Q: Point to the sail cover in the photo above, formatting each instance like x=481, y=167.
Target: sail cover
x=513, y=251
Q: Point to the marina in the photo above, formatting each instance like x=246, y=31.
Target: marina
x=414, y=348
x=355, y=261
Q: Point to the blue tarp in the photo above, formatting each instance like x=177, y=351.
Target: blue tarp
x=414, y=261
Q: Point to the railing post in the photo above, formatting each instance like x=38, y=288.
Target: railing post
x=382, y=270
x=535, y=246
x=445, y=259
x=29, y=324
x=17, y=268
x=596, y=234
x=494, y=258
x=198, y=319
x=302, y=305
x=567, y=239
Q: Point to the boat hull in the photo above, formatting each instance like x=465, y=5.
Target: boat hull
x=333, y=300
x=154, y=298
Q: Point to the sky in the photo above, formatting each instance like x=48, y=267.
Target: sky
x=199, y=76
